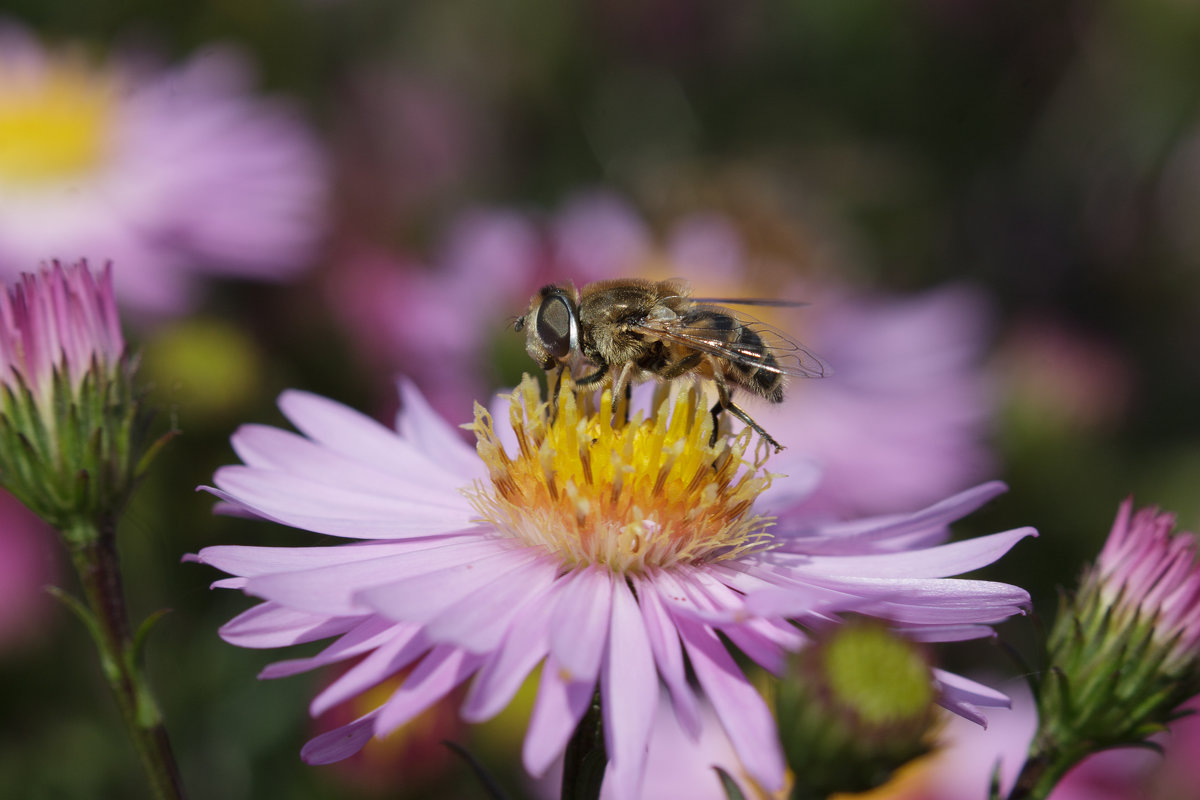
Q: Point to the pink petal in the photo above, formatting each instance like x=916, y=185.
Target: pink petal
x=935, y=562
x=275, y=450
x=556, y=713
x=229, y=583
x=480, y=621
x=724, y=598
x=322, y=508
x=742, y=711
x=420, y=424
x=965, y=689
x=803, y=476
x=369, y=634
x=963, y=697
x=629, y=693
x=941, y=600
x=380, y=664
x=332, y=589
x=847, y=537
x=424, y=595
x=502, y=675
x=270, y=625
x=580, y=622
x=357, y=436
x=668, y=655
x=918, y=601
x=340, y=743
x=741, y=632
x=444, y=668
x=250, y=561
x=946, y=633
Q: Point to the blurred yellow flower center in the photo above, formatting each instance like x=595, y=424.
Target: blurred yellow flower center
x=51, y=125
x=632, y=496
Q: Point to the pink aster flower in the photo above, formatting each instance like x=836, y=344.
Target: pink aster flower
x=169, y=174
x=613, y=555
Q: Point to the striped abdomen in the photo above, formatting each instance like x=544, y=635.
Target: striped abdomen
x=749, y=362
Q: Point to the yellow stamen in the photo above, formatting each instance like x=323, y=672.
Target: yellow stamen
x=52, y=125
x=632, y=496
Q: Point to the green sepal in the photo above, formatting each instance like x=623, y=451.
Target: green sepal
x=732, y=790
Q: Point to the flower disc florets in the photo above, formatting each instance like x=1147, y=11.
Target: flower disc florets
x=632, y=495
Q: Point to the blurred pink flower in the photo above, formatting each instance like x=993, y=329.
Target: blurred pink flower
x=168, y=173
x=439, y=324
x=474, y=564
x=28, y=563
x=904, y=417
x=406, y=141
x=1063, y=379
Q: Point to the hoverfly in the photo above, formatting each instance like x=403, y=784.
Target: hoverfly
x=635, y=330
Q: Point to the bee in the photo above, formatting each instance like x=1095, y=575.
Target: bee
x=634, y=330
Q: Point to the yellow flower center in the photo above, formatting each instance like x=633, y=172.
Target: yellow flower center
x=631, y=495
x=52, y=125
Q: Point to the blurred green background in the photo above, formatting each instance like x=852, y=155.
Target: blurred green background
x=1048, y=152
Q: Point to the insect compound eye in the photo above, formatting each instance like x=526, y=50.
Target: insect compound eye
x=556, y=326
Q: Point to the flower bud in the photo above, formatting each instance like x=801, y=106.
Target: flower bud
x=1123, y=651
x=855, y=706
x=72, y=430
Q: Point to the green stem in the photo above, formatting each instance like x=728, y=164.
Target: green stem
x=585, y=759
x=93, y=550
x=1043, y=770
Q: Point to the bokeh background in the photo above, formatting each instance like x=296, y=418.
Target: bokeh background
x=1016, y=184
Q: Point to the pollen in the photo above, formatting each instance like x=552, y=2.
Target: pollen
x=52, y=125
x=632, y=493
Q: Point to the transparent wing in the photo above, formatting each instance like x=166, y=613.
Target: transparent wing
x=774, y=352
x=749, y=301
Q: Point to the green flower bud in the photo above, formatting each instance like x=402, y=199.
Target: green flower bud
x=855, y=706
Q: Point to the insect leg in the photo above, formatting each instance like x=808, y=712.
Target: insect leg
x=681, y=367
x=622, y=386
x=725, y=402
x=595, y=377
x=554, y=381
